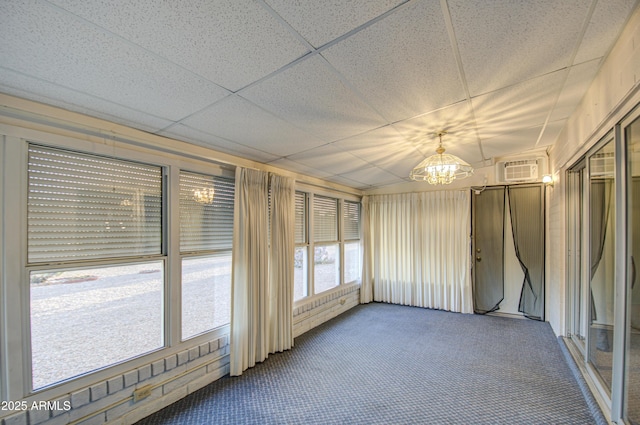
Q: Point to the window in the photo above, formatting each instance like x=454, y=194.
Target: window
x=351, y=235
x=326, y=255
x=330, y=229
x=95, y=261
x=206, y=236
x=300, y=285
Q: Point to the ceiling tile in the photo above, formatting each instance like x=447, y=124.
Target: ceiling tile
x=371, y=177
x=520, y=106
x=512, y=143
x=457, y=120
x=237, y=119
x=604, y=27
x=231, y=43
x=182, y=132
x=402, y=64
x=311, y=97
x=551, y=133
x=322, y=21
x=329, y=159
x=577, y=83
x=502, y=42
x=300, y=168
x=376, y=145
x=20, y=85
x=54, y=47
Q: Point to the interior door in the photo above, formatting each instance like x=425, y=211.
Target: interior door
x=488, y=208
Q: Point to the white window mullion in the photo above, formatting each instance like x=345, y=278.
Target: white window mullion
x=15, y=307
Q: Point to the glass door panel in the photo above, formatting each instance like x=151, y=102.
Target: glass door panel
x=578, y=285
x=632, y=138
x=601, y=261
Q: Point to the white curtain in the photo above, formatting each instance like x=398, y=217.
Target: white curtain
x=281, y=262
x=366, y=289
x=262, y=281
x=419, y=244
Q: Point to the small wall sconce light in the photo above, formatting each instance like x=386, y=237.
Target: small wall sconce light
x=547, y=179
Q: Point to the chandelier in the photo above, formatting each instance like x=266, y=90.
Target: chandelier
x=204, y=195
x=441, y=168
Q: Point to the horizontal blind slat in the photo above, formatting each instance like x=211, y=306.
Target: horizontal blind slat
x=206, y=212
x=351, y=220
x=325, y=219
x=300, y=217
x=83, y=206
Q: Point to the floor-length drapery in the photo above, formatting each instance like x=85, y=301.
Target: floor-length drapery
x=526, y=205
x=366, y=289
x=419, y=244
x=262, y=281
x=281, y=259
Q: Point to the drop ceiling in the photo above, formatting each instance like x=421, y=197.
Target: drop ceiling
x=350, y=91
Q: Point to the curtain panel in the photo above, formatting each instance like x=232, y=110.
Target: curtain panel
x=262, y=275
x=418, y=249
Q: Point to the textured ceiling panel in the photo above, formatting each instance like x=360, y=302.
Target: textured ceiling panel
x=35, y=37
x=330, y=159
x=371, y=177
x=505, y=42
x=551, y=133
x=301, y=168
x=319, y=22
x=237, y=119
x=376, y=145
x=17, y=84
x=513, y=143
x=520, y=106
x=231, y=43
x=352, y=91
x=200, y=138
x=578, y=81
x=604, y=27
x=312, y=97
x=457, y=120
x=403, y=64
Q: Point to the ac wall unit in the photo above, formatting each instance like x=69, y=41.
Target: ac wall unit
x=602, y=165
x=521, y=170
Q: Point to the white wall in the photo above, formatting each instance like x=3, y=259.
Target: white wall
x=613, y=93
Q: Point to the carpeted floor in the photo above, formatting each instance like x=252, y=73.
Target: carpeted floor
x=389, y=364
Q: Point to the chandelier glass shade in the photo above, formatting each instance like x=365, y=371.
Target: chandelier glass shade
x=441, y=168
x=204, y=196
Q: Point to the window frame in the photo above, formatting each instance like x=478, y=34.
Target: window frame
x=203, y=253
x=17, y=338
x=342, y=198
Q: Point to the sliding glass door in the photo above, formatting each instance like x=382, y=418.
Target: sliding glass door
x=601, y=260
x=631, y=134
x=576, y=248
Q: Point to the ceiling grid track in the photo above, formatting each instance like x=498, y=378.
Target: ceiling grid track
x=456, y=53
x=568, y=69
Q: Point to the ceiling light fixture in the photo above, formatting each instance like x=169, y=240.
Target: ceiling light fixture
x=441, y=168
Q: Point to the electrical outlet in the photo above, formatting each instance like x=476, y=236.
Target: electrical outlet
x=142, y=393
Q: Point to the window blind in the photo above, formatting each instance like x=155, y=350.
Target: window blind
x=325, y=219
x=84, y=206
x=206, y=212
x=351, y=220
x=301, y=217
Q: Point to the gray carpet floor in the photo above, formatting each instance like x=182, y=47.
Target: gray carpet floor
x=390, y=364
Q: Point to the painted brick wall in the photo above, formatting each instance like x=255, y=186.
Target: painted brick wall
x=111, y=401
x=307, y=316
x=171, y=378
